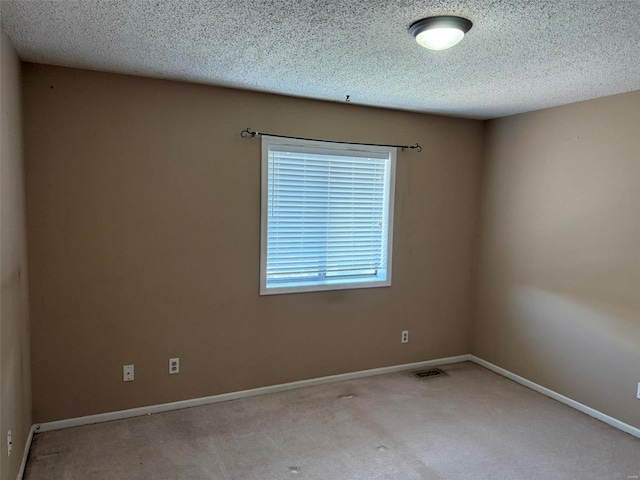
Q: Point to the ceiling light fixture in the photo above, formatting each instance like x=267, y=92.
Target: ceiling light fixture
x=440, y=33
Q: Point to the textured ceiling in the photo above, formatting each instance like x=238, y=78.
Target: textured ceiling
x=519, y=56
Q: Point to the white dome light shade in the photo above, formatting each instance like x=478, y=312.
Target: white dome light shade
x=439, y=38
x=440, y=33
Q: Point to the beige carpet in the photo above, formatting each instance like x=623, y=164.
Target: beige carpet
x=472, y=424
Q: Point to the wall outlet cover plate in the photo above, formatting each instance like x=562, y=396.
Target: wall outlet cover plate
x=174, y=366
x=127, y=373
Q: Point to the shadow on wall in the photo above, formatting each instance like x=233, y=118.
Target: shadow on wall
x=572, y=315
x=577, y=344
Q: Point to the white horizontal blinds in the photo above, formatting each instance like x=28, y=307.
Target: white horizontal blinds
x=327, y=215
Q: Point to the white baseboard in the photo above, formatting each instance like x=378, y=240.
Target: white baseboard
x=614, y=422
x=194, y=402
x=25, y=453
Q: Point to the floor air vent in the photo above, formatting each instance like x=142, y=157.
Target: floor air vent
x=430, y=373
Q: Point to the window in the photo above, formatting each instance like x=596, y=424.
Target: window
x=327, y=216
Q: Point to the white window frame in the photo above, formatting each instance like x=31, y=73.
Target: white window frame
x=323, y=147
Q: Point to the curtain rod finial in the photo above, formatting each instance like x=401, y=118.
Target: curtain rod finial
x=246, y=132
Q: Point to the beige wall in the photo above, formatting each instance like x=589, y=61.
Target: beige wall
x=143, y=219
x=558, y=287
x=15, y=388
x=143, y=207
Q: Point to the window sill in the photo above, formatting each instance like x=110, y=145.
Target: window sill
x=325, y=286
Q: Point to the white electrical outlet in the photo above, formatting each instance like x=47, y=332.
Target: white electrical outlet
x=405, y=336
x=127, y=373
x=9, y=443
x=174, y=366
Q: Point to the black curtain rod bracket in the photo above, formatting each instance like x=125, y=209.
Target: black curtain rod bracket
x=249, y=133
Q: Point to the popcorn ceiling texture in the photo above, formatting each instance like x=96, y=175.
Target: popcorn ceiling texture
x=519, y=56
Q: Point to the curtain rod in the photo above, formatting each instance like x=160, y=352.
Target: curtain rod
x=248, y=133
